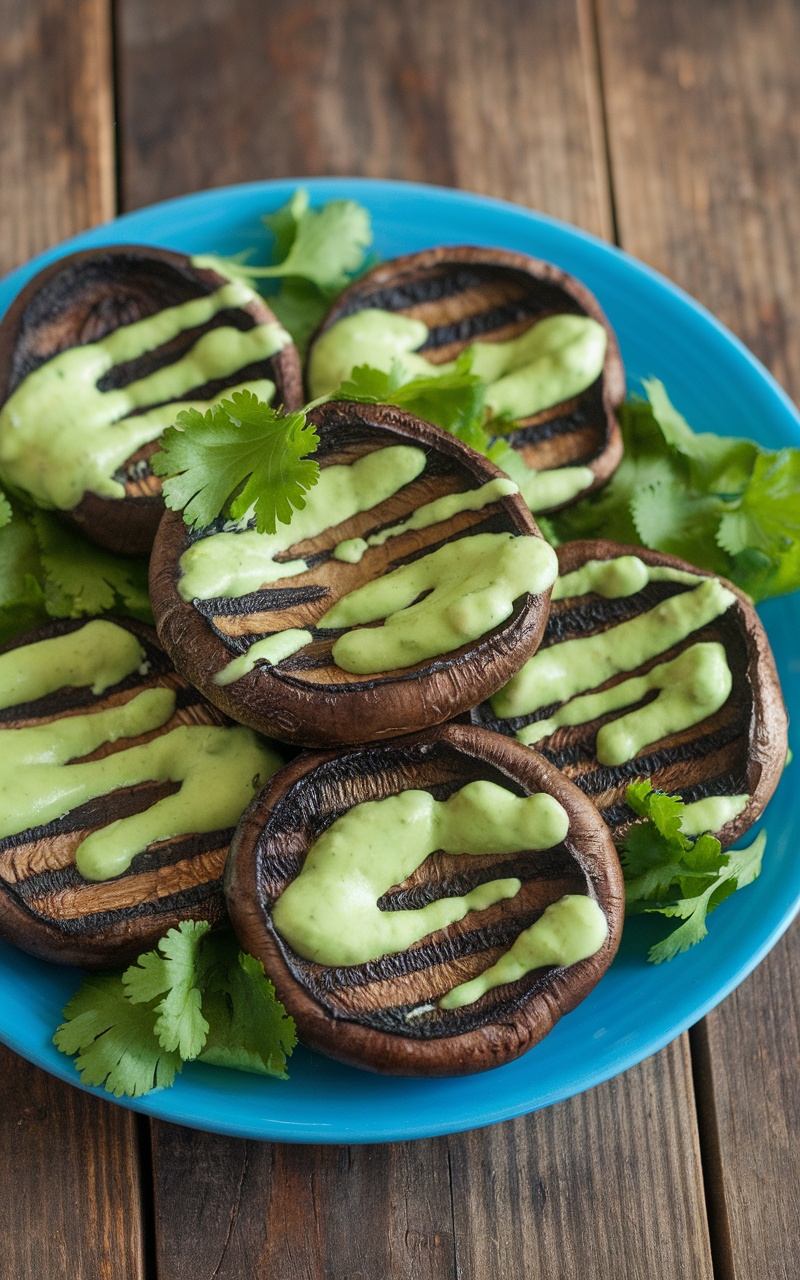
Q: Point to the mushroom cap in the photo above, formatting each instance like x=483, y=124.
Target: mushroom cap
x=464, y=294
x=741, y=749
x=82, y=297
x=358, y=1014
x=306, y=699
x=46, y=906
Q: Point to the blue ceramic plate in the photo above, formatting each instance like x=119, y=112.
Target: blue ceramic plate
x=637, y=1008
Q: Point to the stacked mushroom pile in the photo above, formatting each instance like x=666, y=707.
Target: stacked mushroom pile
x=432, y=882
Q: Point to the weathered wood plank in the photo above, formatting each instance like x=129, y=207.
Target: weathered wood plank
x=501, y=98
x=56, y=138
x=705, y=152
x=316, y=1213
x=69, y=1181
x=607, y=1184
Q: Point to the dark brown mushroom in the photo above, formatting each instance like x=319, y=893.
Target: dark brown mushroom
x=46, y=906
x=306, y=698
x=384, y=1015
x=740, y=750
x=80, y=299
x=466, y=294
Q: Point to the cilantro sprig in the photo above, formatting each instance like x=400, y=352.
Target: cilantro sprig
x=455, y=401
x=196, y=996
x=316, y=252
x=669, y=874
x=721, y=503
x=49, y=571
x=239, y=454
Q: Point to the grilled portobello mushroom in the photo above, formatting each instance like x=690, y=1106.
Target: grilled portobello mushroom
x=399, y=1006
x=405, y=524
x=80, y=300
x=722, y=741
x=465, y=294
x=74, y=739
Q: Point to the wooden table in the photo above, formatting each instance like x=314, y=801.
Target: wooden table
x=671, y=126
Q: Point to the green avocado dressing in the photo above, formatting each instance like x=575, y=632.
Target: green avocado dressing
x=61, y=437
x=352, y=549
x=690, y=687
x=558, y=673
x=542, y=490
x=99, y=654
x=271, y=649
x=236, y=562
x=329, y=914
x=570, y=930
x=551, y=361
x=711, y=813
x=42, y=775
x=472, y=585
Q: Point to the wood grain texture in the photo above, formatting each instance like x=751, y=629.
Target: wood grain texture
x=69, y=1182
x=607, y=1184
x=704, y=138
x=241, y=1209
x=500, y=98
x=56, y=138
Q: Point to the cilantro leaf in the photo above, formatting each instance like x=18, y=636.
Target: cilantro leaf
x=300, y=307
x=81, y=579
x=766, y=519
x=174, y=972
x=721, y=503
x=676, y=519
x=247, y=1028
x=49, y=571
x=740, y=868
x=328, y=244
x=240, y=449
x=195, y=996
x=113, y=1041
x=284, y=223
x=5, y=510
x=324, y=246
x=22, y=599
x=670, y=874
x=454, y=401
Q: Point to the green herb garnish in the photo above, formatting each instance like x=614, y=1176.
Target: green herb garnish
x=238, y=455
x=455, y=401
x=672, y=875
x=316, y=252
x=50, y=571
x=197, y=996
x=723, y=504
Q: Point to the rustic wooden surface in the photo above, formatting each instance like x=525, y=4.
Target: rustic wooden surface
x=670, y=124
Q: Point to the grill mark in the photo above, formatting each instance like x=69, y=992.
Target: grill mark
x=528, y=867
x=58, y=878
x=450, y=947
x=207, y=894
x=431, y=286
x=471, y=327
x=88, y=898
x=605, y=778
x=261, y=601
x=121, y=375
